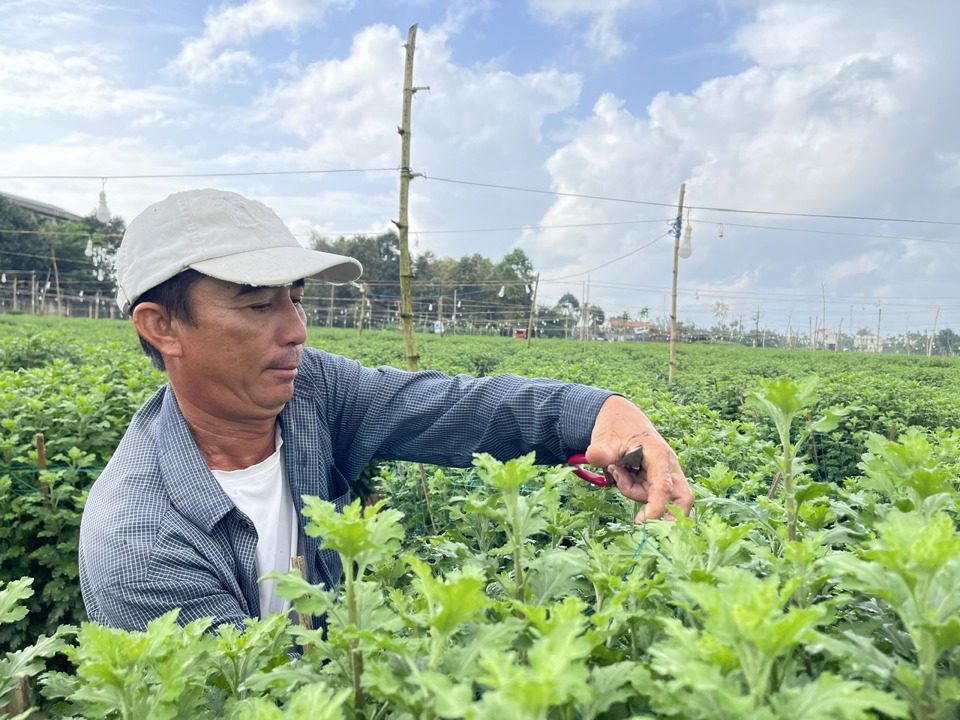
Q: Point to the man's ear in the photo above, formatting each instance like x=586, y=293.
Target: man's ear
x=156, y=326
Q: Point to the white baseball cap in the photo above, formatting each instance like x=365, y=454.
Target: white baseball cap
x=223, y=235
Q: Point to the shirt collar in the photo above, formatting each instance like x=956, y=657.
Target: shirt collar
x=191, y=486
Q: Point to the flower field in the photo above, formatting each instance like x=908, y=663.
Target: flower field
x=817, y=577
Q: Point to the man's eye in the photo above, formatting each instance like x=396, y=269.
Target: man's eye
x=261, y=307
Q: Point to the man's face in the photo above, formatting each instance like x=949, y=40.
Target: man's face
x=239, y=359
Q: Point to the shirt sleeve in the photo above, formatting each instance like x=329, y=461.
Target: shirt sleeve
x=128, y=588
x=430, y=417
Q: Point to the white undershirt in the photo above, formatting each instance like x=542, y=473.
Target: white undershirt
x=262, y=494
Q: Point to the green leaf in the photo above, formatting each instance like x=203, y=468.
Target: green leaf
x=452, y=600
x=509, y=476
x=307, y=598
x=555, y=573
x=828, y=696
x=363, y=535
x=11, y=594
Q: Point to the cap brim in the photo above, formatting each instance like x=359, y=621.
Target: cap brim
x=272, y=267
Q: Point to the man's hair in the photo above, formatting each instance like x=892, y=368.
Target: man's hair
x=172, y=295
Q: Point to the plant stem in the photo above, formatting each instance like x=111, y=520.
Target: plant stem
x=788, y=454
x=356, y=659
x=517, y=546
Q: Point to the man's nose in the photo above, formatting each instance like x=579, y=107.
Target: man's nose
x=294, y=328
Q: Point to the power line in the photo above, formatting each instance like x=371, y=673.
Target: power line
x=605, y=198
x=611, y=262
x=538, y=227
x=830, y=232
x=194, y=175
x=513, y=188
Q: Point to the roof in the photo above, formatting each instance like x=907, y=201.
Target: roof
x=43, y=210
x=634, y=324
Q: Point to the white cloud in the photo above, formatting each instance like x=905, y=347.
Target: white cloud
x=71, y=81
x=827, y=120
x=343, y=107
x=603, y=19
x=212, y=57
x=471, y=124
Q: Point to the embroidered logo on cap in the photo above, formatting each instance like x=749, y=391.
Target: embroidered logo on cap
x=246, y=215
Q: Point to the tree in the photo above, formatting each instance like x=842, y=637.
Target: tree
x=947, y=342
x=379, y=255
x=515, y=273
x=550, y=322
x=75, y=257
x=569, y=305
x=597, y=316
x=21, y=248
x=720, y=310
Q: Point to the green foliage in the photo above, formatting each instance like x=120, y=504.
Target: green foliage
x=511, y=590
x=914, y=567
x=168, y=671
x=26, y=662
x=782, y=400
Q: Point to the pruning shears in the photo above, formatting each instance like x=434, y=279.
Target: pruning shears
x=632, y=460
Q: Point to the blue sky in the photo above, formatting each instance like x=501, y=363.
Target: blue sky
x=797, y=107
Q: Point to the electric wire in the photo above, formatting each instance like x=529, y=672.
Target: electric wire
x=825, y=216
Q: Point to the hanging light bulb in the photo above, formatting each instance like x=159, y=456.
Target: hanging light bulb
x=721, y=231
x=685, y=249
x=3, y=278
x=103, y=212
x=503, y=289
x=100, y=275
x=88, y=250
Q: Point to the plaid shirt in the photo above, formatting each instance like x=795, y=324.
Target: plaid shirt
x=159, y=533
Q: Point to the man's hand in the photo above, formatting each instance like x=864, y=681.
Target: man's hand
x=620, y=426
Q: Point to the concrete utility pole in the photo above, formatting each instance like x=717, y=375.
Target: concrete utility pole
x=677, y=227
x=406, y=301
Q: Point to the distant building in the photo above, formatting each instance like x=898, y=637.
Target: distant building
x=639, y=331
x=865, y=343
x=628, y=329
x=826, y=338
x=42, y=210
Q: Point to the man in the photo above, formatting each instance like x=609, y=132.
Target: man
x=204, y=493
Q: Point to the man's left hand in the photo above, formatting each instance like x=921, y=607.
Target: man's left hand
x=660, y=482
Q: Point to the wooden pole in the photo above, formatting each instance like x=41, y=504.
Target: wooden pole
x=440, y=309
x=363, y=307
x=56, y=280
x=42, y=466
x=930, y=341
x=677, y=228
x=879, y=345
x=406, y=301
x=533, y=308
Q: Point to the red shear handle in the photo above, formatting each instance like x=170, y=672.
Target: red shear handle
x=591, y=477
x=632, y=459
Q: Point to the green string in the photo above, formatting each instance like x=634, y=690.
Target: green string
x=643, y=541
